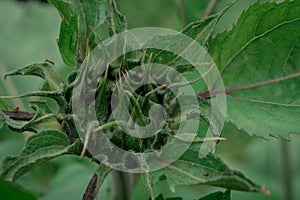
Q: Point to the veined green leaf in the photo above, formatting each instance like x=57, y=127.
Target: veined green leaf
x=88, y=14
x=189, y=169
x=80, y=21
x=202, y=30
x=12, y=192
x=67, y=41
x=199, y=31
x=260, y=65
x=192, y=10
x=64, y=9
x=94, y=13
x=38, y=149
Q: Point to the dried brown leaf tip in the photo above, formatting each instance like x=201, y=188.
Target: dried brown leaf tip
x=49, y=61
x=265, y=191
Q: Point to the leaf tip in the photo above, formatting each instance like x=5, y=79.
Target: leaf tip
x=265, y=191
x=6, y=75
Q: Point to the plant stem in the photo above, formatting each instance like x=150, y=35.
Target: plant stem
x=149, y=186
x=213, y=93
x=18, y=115
x=89, y=193
x=209, y=7
x=122, y=185
x=286, y=171
x=182, y=12
x=96, y=182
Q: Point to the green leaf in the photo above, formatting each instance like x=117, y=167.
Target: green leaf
x=68, y=40
x=13, y=192
x=44, y=119
x=80, y=21
x=42, y=70
x=189, y=169
x=86, y=17
x=260, y=66
x=38, y=149
x=53, y=86
x=116, y=21
x=217, y=196
x=102, y=103
x=196, y=10
x=93, y=14
x=64, y=9
x=3, y=105
x=2, y=120
x=71, y=178
x=199, y=31
x=202, y=30
x=55, y=95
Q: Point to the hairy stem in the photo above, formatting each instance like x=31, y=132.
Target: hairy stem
x=95, y=183
x=18, y=115
x=149, y=186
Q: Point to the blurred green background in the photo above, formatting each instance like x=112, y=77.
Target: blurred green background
x=28, y=33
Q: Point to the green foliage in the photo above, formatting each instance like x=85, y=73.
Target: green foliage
x=44, y=71
x=80, y=22
x=96, y=182
x=211, y=170
x=10, y=191
x=3, y=105
x=258, y=63
x=261, y=69
x=43, y=119
x=38, y=149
